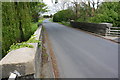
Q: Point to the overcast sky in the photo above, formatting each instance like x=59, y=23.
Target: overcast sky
x=55, y=7
x=50, y=7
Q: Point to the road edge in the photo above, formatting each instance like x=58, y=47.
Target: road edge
x=52, y=56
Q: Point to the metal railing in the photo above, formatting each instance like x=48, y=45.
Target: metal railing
x=113, y=31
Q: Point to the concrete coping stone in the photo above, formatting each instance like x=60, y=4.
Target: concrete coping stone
x=107, y=24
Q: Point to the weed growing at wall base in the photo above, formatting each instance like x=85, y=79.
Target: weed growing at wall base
x=24, y=44
x=20, y=45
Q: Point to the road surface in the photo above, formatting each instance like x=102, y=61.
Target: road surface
x=82, y=55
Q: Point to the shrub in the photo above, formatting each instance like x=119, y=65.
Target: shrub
x=63, y=15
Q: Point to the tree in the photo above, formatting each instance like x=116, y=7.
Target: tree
x=76, y=8
x=37, y=8
x=17, y=18
x=85, y=8
x=107, y=12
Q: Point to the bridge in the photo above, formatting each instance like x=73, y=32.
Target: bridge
x=72, y=53
x=82, y=55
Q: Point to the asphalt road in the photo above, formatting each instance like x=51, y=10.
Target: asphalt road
x=82, y=55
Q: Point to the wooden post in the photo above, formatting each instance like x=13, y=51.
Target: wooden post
x=109, y=31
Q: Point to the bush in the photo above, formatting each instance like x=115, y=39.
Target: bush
x=63, y=15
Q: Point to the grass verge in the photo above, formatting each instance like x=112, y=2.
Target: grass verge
x=41, y=20
x=51, y=19
x=65, y=23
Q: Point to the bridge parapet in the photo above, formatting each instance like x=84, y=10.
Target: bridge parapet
x=21, y=60
x=92, y=27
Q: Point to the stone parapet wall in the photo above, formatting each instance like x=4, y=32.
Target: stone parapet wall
x=91, y=27
x=21, y=60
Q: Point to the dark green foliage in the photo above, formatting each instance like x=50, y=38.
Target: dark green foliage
x=64, y=15
x=108, y=12
x=17, y=22
x=47, y=16
x=10, y=29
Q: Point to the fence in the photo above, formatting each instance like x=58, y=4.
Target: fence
x=113, y=31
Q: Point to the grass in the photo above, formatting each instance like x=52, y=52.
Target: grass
x=24, y=44
x=19, y=45
x=65, y=23
x=51, y=19
x=41, y=20
x=34, y=27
